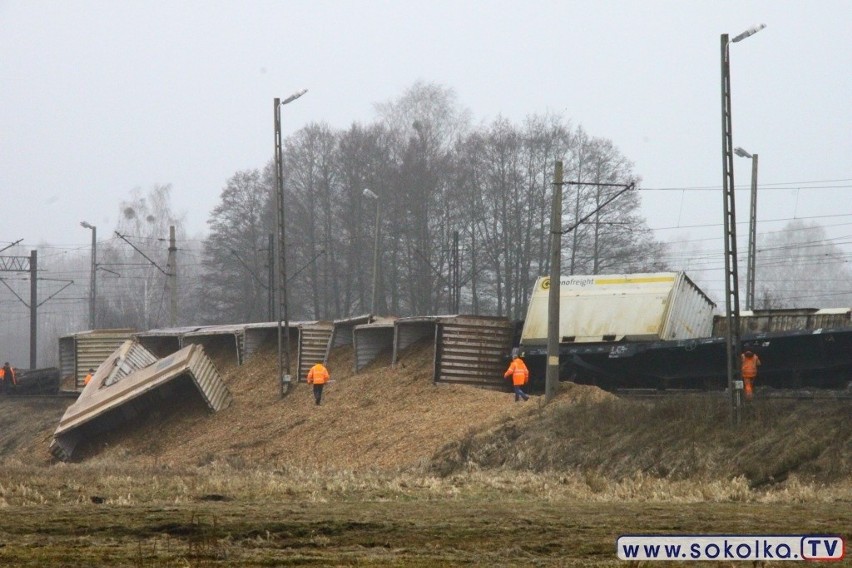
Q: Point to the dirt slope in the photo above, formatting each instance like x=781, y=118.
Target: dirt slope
x=27, y=425
x=380, y=418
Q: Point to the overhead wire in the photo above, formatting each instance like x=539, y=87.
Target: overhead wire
x=766, y=185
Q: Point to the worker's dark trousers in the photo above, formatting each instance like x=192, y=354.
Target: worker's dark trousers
x=519, y=394
x=318, y=393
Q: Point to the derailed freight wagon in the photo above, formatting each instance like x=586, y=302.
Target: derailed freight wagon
x=604, y=317
x=620, y=307
x=657, y=331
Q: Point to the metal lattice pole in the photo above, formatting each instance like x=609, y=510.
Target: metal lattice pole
x=732, y=297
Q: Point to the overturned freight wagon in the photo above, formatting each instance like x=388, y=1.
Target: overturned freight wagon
x=131, y=382
x=603, y=317
x=620, y=307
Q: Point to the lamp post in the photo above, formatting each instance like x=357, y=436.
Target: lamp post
x=93, y=282
x=283, y=368
x=369, y=194
x=752, y=229
x=732, y=299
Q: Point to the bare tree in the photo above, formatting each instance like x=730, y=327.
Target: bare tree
x=504, y=186
x=424, y=124
x=312, y=202
x=236, y=256
x=800, y=266
x=137, y=298
x=364, y=162
x=615, y=239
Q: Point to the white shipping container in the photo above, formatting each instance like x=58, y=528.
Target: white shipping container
x=615, y=307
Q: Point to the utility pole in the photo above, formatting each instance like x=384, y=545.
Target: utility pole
x=577, y=210
x=33, y=308
x=456, y=279
x=554, y=282
x=283, y=338
x=732, y=294
x=474, y=294
x=283, y=350
x=93, y=285
x=552, y=374
x=271, y=276
x=173, y=280
x=752, y=236
x=171, y=275
x=368, y=193
x=24, y=264
x=752, y=228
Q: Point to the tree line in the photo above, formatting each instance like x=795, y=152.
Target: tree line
x=464, y=215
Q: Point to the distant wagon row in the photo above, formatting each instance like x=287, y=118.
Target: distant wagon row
x=468, y=349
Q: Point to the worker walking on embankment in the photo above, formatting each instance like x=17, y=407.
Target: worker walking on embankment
x=520, y=376
x=748, y=370
x=7, y=378
x=318, y=376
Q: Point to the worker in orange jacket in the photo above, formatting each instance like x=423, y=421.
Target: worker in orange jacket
x=318, y=376
x=88, y=378
x=520, y=376
x=7, y=377
x=748, y=370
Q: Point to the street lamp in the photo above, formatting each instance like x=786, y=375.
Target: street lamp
x=93, y=283
x=752, y=229
x=283, y=369
x=749, y=32
x=369, y=194
x=732, y=299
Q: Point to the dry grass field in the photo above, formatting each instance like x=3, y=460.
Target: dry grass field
x=394, y=471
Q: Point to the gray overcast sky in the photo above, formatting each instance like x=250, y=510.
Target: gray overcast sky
x=98, y=98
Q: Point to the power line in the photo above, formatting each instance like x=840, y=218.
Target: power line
x=773, y=185
x=759, y=221
x=763, y=233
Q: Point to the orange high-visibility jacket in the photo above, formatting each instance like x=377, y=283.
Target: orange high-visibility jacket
x=518, y=371
x=14, y=378
x=749, y=366
x=87, y=378
x=318, y=375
